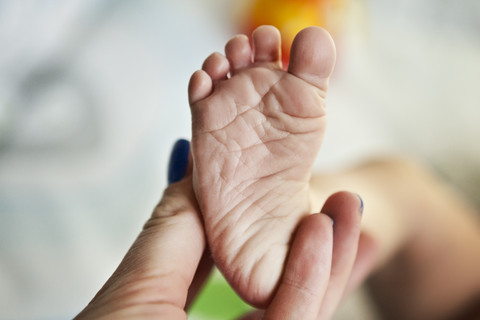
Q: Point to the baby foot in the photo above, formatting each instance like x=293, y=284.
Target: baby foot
x=256, y=130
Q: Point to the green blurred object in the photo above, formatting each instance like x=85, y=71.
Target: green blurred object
x=218, y=301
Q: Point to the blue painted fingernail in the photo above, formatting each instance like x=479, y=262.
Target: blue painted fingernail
x=177, y=166
x=361, y=204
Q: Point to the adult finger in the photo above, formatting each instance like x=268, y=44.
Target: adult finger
x=204, y=269
x=307, y=271
x=155, y=275
x=367, y=257
x=345, y=209
x=181, y=165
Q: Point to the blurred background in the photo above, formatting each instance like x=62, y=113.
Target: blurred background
x=93, y=96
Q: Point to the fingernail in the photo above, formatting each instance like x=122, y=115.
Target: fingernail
x=361, y=204
x=177, y=166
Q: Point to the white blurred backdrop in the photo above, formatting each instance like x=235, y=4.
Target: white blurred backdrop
x=93, y=95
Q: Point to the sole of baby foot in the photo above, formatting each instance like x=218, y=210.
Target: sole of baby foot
x=256, y=131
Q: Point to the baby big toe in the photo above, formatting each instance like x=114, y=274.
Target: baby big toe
x=312, y=56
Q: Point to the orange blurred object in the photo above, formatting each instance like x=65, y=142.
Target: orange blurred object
x=291, y=16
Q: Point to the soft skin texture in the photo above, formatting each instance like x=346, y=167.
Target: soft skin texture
x=256, y=130
x=168, y=263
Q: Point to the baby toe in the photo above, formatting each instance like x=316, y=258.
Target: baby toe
x=239, y=53
x=199, y=87
x=266, y=44
x=217, y=66
x=312, y=56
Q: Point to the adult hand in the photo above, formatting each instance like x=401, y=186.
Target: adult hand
x=328, y=259
x=168, y=263
x=157, y=274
